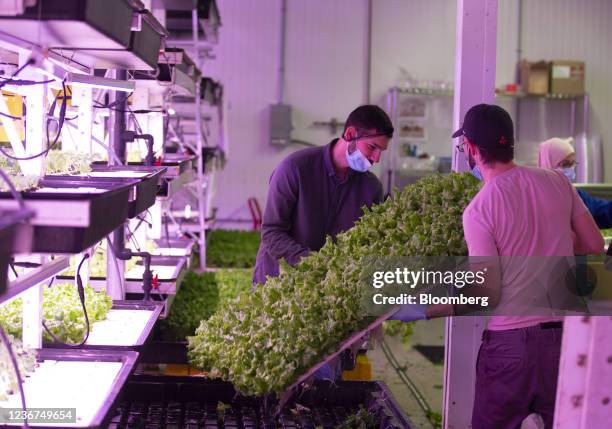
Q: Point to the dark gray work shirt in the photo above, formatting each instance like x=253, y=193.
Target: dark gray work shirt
x=306, y=202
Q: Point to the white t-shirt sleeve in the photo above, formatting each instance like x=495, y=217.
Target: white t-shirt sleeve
x=478, y=235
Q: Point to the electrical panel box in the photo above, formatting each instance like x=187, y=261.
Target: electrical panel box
x=280, y=124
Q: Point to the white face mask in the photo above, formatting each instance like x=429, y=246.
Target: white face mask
x=569, y=172
x=357, y=161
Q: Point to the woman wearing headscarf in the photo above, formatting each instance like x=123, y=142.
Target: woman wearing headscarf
x=559, y=154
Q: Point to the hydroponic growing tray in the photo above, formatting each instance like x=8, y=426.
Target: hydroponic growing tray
x=148, y=180
x=88, y=381
x=185, y=402
x=92, y=33
x=128, y=325
x=15, y=236
x=68, y=218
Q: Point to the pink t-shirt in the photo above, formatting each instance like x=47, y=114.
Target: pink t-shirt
x=525, y=211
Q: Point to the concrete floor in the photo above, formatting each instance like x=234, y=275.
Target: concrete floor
x=427, y=376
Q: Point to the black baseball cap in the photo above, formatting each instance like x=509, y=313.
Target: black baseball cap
x=487, y=126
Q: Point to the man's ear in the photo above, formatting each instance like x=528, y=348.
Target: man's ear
x=472, y=149
x=350, y=133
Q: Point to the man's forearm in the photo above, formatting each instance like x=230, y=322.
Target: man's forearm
x=280, y=244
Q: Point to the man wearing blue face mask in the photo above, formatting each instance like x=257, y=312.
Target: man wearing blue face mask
x=320, y=191
x=559, y=154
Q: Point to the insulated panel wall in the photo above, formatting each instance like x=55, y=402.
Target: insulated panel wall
x=325, y=71
x=324, y=80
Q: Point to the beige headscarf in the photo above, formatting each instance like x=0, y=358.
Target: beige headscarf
x=553, y=151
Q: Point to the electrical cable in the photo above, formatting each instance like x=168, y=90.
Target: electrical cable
x=110, y=105
x=13, y=269
x=19, y=70
x=132, y=238
x=16, y=195
x=23, y=82
x=139, y=111
x=50, y=146
x=9, y=349
x=81, y=292
x=6, y=115
x=133, y=116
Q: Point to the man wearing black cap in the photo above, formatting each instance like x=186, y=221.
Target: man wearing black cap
x=320, y=191
x=520, y=211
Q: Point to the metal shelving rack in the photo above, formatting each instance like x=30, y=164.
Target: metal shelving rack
x=393, y=95
x=129, y=36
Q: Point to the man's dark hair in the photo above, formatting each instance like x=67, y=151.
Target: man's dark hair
x=368, y=118
x=490, y=156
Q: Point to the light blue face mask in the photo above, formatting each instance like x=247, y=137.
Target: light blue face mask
x=357, y=160
x=474, y=168
x=570, y=173
x=476, y=173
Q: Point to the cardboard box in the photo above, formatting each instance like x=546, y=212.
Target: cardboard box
x=534, y=77
x=567, y=77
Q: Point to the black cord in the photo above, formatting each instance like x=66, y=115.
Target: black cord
x=13, y=269
x=81, y=292
x=110, y=105
x=9, y=349
x=16, y=195
x=6, y=115
x=19, y=70
x=62, y=116
x=24, y=82
x=139, y=111
x=132, y=238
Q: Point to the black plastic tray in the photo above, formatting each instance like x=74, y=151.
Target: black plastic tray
x=104, y=414
x=93, y=33
x=105, y=211
x=181, y=402
x=175, y=67
x=156, y=352
x=15, y=236
x=155, y=306
x=145, y=44
x=182, y=161
x=146, y=189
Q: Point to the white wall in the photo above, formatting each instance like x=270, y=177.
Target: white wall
x=324, y=79
x=325, y=74
x=417, y=36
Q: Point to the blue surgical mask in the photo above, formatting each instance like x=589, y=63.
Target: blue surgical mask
x=570, y=173
x=476, y=173
x=473, y=167
x=357, y=160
